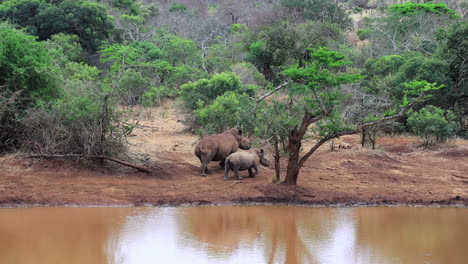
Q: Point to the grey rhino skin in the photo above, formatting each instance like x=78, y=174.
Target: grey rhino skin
x=244, y=160
x=217, y=147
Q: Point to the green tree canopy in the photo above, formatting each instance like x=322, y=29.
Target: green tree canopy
x=89, y=21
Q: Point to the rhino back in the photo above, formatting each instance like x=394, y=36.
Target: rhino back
x=221, y=145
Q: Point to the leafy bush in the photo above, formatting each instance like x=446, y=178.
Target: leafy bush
x=85, y=19
x=83, y=120
x=430, y=124
x=25, y=65
x=364, y=33
x=178, y=7
x=131, y=86
x=156, y=95
x=226, y=111
x=206, y=90
x=410, y=8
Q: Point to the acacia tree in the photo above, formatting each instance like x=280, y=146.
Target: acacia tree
x=315, y=95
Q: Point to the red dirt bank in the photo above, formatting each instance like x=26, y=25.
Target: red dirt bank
x=396, y=174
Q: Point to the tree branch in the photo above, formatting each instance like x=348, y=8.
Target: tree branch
x=322, y=105
x=279, y=87
x=357, y=130
x=121, y=162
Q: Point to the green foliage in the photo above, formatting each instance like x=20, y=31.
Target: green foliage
x=274, y=121
x=317, y=88
x=322, y=71
x=133, y=7
x=455, y=52
x=156, y=95
x=259, y=55
x=206, y=90
x=248, y=74
x=223, y=113
x=178, y=50
x=148, y=60
x=64, y=48
x=364, y=33
x=131, y=86
x=284, y=44
x=178, y=7
x=430, y=124
x=384, y=65
x=398, y=33
x=417, y=88
x=410, y=8
x=387, y=75
x=25, y=66
x=238, y=28
x=319, y=10
x=89, y=21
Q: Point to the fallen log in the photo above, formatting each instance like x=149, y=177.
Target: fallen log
x=121, y=162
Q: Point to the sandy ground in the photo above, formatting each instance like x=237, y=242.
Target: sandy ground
x=396, y=173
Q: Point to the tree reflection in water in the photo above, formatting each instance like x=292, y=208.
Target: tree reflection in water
x=225, y=229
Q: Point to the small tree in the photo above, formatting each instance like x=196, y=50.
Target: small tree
x=274, y=124
x=431, y=126
x=315, y=94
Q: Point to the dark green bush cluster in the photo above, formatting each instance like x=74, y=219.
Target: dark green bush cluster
x=89, y=21
x=410, y=8
x=50, y=102
x=431, y=125
x=219, y=103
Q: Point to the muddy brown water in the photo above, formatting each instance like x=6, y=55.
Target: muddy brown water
x=239, y=234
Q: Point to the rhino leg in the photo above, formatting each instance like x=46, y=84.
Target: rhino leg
x=222, y=163
x=204, y=168
x=226, y=170
x=251, y=174
x=236, y=170
x=255, y=167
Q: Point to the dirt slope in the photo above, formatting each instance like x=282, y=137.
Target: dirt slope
x=396, y=173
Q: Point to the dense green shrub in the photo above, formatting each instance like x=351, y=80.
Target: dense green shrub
x=89, y=21
x=156, y=95
x=178, y=7
x=364, y=33
x=430, y=124
x=410, y=8
x=228, y=110
x=25, y=67
x=206, y=90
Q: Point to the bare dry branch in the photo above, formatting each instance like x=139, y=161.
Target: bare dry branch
x=279, y=87
x=121, y=162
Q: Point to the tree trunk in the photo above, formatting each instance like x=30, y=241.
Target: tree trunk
x=292, y=171
x=363, y=137
x=277, y=160
x=292, y=174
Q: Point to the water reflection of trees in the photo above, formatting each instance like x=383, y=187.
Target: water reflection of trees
x=58, y=235
x=225, y=229
x=413, y=235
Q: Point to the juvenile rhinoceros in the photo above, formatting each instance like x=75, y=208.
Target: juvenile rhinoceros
x=245, y=160
x=217, y=147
